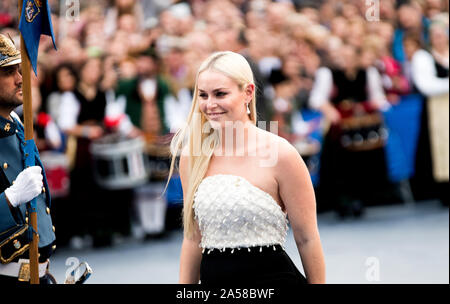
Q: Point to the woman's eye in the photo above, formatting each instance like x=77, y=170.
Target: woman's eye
x=221, y=94
x=203, y=96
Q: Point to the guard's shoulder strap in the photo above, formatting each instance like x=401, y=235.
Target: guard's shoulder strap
x=16, y=117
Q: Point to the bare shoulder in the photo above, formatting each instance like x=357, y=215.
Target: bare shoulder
x=272, y=139
x=289, y=161
x=283, y=156
x=286, y=151
x=278, y=145
x=293, y=178
x=288, y=155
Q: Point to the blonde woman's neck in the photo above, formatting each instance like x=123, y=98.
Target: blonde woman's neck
x=236, y=138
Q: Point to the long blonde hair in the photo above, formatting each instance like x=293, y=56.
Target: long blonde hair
x=236, y=67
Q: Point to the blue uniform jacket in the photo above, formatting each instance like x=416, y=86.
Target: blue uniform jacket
x=11, y=163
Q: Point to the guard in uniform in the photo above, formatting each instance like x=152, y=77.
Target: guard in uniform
x=19, y=185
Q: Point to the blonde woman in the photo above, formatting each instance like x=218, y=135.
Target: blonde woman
x=240, y=183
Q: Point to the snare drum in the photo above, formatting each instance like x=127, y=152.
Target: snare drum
x=361, y=127
x=119, y=162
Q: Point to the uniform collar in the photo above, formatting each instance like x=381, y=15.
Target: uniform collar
x=7, y=127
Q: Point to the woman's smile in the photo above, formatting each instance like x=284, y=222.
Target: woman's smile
x=215, y=115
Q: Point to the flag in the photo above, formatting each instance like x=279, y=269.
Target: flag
x=34, y=22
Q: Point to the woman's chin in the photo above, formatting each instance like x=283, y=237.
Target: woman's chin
x=216, y=124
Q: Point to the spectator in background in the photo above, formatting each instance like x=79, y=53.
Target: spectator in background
x=145, y=92
x=387, y=11
x=6, y=14
x=290, y=96
x=120, y=8
x=394, y=81
x=349, y=176
x=283, y=103
x=116, y=119
x=339, y=26
x=70, y=51
x=356, y=31
x=65, y=81
x=276, y=13
x=175, y=69
x=439, y=110
x=434, y=7
x=81, y=116
x=410, y=19
x=439, y=47
x=153, y=91
x=50, y=137
x=198, y=46
x=264, y=108
x=424, y=67
x=47, y=133
x=429, y=75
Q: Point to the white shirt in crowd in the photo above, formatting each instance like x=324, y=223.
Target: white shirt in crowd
x=424, y=75
x=68, y=111
x=323, y=85
x=177, y=109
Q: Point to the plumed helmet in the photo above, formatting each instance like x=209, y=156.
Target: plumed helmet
x=9, y=55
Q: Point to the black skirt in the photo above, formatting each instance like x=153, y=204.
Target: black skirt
x=354, y=175
x=259, y=266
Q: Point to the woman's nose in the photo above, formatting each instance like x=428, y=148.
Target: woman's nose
x=211, y=104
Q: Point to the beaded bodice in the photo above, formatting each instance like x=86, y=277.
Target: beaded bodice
x=233, y=213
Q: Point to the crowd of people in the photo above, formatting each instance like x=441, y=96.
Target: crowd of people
x=321, y=56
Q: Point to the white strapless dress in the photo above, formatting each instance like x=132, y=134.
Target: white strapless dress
x=233, y=213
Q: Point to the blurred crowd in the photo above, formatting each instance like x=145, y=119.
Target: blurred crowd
x=128, y=66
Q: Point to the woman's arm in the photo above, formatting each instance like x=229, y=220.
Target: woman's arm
x=190, y=259
x=297, y=194
x=191, y=253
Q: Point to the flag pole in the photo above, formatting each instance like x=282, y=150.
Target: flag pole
x=29, y=135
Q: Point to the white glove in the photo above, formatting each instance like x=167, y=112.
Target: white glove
x=27, y=186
